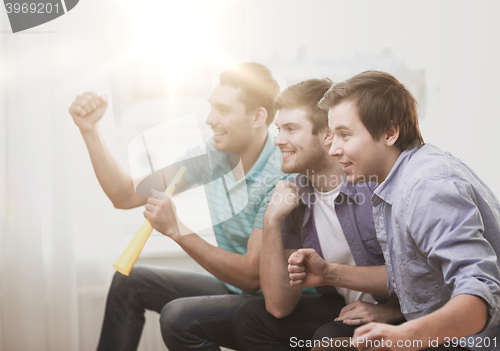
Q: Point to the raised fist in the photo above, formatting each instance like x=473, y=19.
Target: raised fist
x=88, y=109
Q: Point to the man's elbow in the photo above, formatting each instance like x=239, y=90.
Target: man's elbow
x=124, y=203
x=277, y=311
x=252, y=287
x=121, y=205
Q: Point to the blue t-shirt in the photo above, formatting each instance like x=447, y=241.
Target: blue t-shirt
x=236, y=205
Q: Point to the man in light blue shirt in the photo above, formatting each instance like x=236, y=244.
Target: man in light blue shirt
x=196, y=309
x=438, y=224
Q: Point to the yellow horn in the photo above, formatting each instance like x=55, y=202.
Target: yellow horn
x=127, y=260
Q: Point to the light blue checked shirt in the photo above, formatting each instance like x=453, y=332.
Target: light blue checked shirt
x=439, y=227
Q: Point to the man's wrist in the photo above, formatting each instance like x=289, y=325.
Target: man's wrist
x=332, y=276
x=272, y=221
x=179, y=232
x=90, y=132
x=415, y=330
x=175, y=235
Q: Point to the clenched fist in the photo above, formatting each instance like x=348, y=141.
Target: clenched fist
x=307, y=268
x=88, y=109
x=160, y=212
x=285, y=199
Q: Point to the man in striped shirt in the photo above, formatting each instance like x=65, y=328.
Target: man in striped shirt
x=196, y=309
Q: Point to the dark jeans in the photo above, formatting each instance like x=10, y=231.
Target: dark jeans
x=256, y=329
x=196, y=310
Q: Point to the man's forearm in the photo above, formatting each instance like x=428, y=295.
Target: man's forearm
x=115, y=182
x=241, y=271
x=280, y=297
x=368, y=279
x=462, y=316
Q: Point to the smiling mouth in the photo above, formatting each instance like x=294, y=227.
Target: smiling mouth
x=219, y=133
x=345, y=165
x=286, y=154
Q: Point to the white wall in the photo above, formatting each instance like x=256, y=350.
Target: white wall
x=455, y=43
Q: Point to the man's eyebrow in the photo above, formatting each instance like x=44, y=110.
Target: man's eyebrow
x=342, y=127
x=288, y=124
x=215, y=104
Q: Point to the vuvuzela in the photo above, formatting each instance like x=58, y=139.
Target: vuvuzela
x=127, y=260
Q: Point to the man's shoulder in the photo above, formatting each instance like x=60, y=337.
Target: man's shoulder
x=429, y=160
x=432, y=172
x=430, y=163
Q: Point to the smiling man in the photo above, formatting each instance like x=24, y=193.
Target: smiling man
x=196, y=309
x=322, y=223
x=437, y=222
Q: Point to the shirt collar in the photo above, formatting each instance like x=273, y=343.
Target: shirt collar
x=258, y=166
x=386, y=189
x=349, y=190
x=307, y=193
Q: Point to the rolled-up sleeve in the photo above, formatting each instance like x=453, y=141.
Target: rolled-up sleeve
x=445, y=224
x=291, y=238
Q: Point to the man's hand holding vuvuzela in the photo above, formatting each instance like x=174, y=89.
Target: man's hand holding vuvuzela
x=88, y=109
x=285, y=199
x=160, y=212
x=307, y=268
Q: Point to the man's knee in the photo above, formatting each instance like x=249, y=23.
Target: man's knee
x=178, y=321
x=171, y=314
x=250, y=315
x=123, y=287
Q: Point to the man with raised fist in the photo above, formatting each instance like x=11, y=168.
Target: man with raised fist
x=196, y=309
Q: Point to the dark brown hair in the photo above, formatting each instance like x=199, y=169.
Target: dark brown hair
x=306, y=95
x=258, y=87
x=380, y=100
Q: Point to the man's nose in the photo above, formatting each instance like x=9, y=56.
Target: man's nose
x=211, y=119
x=279, y=140
x=335, y=149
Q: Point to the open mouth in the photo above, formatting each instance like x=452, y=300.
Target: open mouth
x=345, y=166
x=287, y=154
x=218, y=134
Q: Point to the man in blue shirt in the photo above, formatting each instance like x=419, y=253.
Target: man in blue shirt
x=316, y=216
x=437, y=223
x=196, y=309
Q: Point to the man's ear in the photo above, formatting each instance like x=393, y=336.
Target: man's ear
x=391, y=134
x=259, y=117
x=328, y=136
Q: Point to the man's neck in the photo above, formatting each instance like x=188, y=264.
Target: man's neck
x=325, y=179
x=252, y=152
x=391, y=160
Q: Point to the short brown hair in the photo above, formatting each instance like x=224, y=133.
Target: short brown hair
x=380, y=100
x=258, y=87
x=307, y=94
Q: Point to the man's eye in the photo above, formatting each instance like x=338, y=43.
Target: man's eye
x=291, y=130
x=344, y=135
